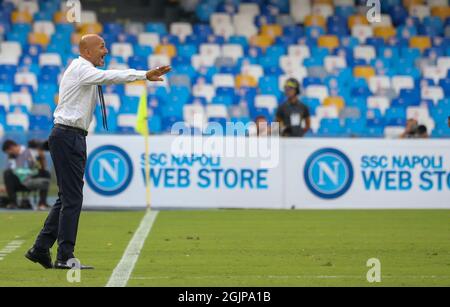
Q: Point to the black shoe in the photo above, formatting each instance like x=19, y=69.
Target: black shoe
x=43, y=258
x=62, y=265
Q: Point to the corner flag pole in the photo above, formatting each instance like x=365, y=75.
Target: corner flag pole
x=147, y=166
x=142, y=128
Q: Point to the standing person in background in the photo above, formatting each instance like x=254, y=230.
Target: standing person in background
x=80, y=86
x=293, y=115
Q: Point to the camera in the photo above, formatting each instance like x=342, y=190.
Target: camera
x=38, y=145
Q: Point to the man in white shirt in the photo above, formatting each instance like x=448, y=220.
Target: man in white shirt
x=80, y=86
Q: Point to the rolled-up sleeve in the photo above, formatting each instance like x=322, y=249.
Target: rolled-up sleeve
x=94, y=76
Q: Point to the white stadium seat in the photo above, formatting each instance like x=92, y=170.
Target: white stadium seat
x=50, y=59
x=216, y=110
x=207, y=91
x=149, y=39
x=213, y=50
x=21, y=99
x=233, y=51
x=223, y=80
x=288, y=62
x=362, y=32
x=256, y=71
x=378, y=102
x=181, y=30
x=195, y=115
x=250, y=9
x=402, y=82
x=126, y=120
x=434, y=93
x=134, y=90
x=317, y=91
x=43, y=26
x=4, y=100
x=31, y=7
x=326, y=112
x=113, y=100
x=299, y=51
x=156, y=60
x=365, y=52
x=324, y=10
x=300, y=9
x=124, y=50
x=218, y=19
x=266, y=101
x=420, y=11
x=393, y=132
x=333, y=62
x=88, y=17
x=18, y=119
x=225, y=30
x=202, y=61
x=378, y=83
x=26, y=78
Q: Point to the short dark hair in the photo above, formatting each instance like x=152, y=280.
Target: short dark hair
x=8, y=144
x=421, y=129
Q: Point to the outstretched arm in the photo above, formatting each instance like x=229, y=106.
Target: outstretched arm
x=95, y=76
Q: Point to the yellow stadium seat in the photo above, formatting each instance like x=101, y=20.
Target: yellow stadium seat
x=21, y=17
x=420, y=42
x=38, y=39
x=168, y=50
x=272, y=30
x=364, y=72
x=442, y=12
x=384, y=32
x=90, y=28
x=262, y=41
x=60, y=17
x=357, y=20
x=409, y=3
x=315, y=20
x=245, y=81
x=336, y=101
x=328, y=41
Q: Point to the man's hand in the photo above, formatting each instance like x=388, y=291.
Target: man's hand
x=155, y=74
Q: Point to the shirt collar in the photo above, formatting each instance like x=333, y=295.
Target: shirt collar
x=85, y=61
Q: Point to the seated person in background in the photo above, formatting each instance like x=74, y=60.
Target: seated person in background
x=293, y=115
x=410, y=129
x=26, y=171
x=414, y=131
x=422, y=132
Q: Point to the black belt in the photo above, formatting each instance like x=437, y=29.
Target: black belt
x=70, y=128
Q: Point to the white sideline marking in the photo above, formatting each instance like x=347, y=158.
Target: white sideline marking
x=10, y=248
x=293, y=277
x=123, y=270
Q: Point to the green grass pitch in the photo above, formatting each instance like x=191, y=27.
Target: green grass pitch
x=246, y=248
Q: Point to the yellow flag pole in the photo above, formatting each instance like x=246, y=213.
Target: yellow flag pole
x=147, y=166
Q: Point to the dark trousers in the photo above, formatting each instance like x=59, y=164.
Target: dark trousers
x=13, y=185
x=68, y=151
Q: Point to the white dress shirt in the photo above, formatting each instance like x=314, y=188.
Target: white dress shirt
x=78, y=91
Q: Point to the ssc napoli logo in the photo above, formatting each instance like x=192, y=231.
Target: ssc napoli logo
x=109, y=170
x=328, y=173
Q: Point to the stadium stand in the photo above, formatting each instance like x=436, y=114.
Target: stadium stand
x=358, y=79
